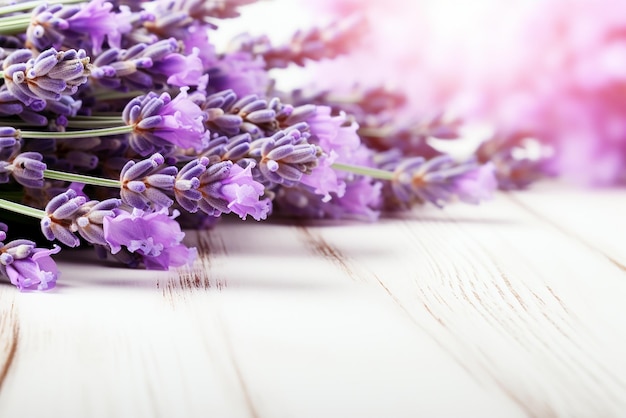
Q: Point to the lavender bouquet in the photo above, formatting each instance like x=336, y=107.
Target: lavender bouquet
x=123, y=124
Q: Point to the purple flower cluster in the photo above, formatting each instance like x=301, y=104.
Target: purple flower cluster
x=161, y=123
x=26, y=266
x=121, y=122
x=154, y=237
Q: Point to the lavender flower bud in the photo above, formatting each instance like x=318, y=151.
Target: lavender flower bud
x=440, y=180
x=285, y=157
x=9, y=105
x=161, y=123
x=233, y=149
x=89, y=220
x=187, y=184
x=313, y=44
x=86, y=24
x=8, y=143
x=59, y=220
x=226, y=188
x=27, y=267
x=146, y=184
x=26, y=168
x=519, y=159
x=48, y=76
x=68, y=213
x=229, y=116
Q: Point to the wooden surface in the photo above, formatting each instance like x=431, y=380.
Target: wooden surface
x=514, y=308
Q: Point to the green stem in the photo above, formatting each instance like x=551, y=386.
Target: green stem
x=29, y=5
x=13, y=25
x=80, y=178
x=89, y=133
x=94, y=121
x=22, y=209
x=366, y=171
x=112, y=95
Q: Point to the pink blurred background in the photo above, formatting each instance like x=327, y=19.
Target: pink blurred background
x=552, y=69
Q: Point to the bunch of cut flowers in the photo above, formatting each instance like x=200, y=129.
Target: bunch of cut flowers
x=122, y=124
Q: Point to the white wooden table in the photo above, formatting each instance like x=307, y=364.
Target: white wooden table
x=514, y=308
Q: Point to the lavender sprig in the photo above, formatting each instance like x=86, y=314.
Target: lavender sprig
x=305, y=45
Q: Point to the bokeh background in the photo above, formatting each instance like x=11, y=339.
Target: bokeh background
x=550, y=70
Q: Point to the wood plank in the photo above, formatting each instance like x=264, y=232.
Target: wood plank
x=489, y=311
x=592, y=216
x=520, y=305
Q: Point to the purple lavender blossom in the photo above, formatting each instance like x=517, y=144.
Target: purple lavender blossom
x=156, y=237
x=9, y=104
x=227, y=187
x=360, y=197
x=69, y=212
x=285, y=157
x=160, y=123
x=150, y=184
x=187, y=183
x=180, y=70
x=148, y=66
x=172, y=16
x=84, y=26
x=26, y=168
x=50, y=75
x=145, y=185
x=338, y=138
x=241, y=72
x=197, y=37
x=28, y=267
x=439, y=181
x=242, y=193
x=305, y=45
x=9, y=144
x=361, y=200
x=323, y=179
x=519, y=159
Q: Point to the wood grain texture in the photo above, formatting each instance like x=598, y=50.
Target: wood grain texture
x=513, y=308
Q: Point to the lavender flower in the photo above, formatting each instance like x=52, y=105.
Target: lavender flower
x=149, y=184
x=223, y=148
x=519, y=159
x=160, y=123
x=337, y=137
x=9, y=144
x=285, y=157
x=196, y=37
x=85, y=25
x=241, y=72
x=68, y=213
x=47, y=77
x=187, y=183
x=27, y=267
x=26, y=168
x=439, y=181
x=229, y=115
x=358, y=198
x=9, y=104
x=180, y=70
x=313, y=44
x=147, y=66
x=173, y=15
x=361, y=200
x=155, y=237
x=226, y=188
x=146, y=184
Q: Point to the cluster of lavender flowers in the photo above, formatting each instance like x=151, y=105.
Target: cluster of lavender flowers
x=122, y=124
